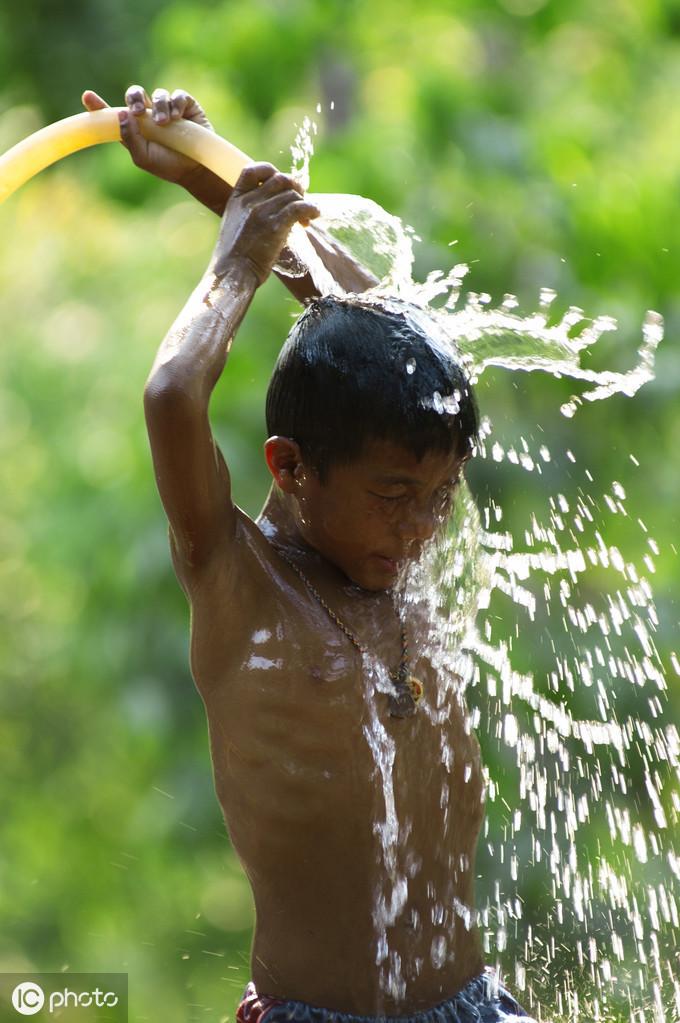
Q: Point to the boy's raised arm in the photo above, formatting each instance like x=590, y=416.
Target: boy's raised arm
x=207, y=187
x=192, y=477
x=159, y=160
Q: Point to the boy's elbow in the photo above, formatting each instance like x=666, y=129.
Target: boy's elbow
x=165, y=388
x=157, y=388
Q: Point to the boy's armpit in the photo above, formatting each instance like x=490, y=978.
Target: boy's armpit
x=195, y=575
x=232, y=591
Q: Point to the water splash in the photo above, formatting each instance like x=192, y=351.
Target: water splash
x=580, y=733
x=391, y=890
x=596, y=760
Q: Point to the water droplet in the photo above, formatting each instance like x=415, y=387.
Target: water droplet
x=438, y=952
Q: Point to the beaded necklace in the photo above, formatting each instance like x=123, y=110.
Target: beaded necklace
x=408, y=690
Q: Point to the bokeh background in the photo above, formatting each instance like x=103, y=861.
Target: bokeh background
x=537, y=140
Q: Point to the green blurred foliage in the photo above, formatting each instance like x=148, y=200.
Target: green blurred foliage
x=541, y=138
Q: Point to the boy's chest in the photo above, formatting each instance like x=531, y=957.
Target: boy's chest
x=284, y=648
x=293, y=710
x=299, y=662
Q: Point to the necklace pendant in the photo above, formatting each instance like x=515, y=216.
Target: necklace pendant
x=401, y=704
x=417, y=688
x=407, y=693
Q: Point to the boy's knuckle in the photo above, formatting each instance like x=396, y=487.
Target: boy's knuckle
x=249, y=175
x=286, y=182
x=241, y=185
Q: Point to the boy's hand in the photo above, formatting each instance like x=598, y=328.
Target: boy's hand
x=160, y=160
x=263, y=207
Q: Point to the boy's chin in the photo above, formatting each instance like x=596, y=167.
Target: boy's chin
x=377, y=575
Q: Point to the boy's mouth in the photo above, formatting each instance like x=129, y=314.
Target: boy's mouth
x=391, y=564
x=394, y=565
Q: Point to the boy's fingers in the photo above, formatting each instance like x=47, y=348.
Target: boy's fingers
x=305, y=212
x=160, y=110
x=314, y=210
x=253, y=175
x=124, y=125
x=280, y=183
x=188, y=107
x=290, y=207
x=93, y=101
x=137, y=99
x=179, y=103
x=131, y=136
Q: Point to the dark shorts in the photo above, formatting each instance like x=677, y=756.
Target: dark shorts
x=483, y=1000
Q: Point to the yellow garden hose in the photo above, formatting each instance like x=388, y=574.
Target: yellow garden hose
x=44, y=147
x=19, y=164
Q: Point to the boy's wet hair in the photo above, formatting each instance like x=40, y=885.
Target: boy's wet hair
x=352, y=372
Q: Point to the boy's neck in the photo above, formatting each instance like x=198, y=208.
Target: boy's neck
x=278, y=523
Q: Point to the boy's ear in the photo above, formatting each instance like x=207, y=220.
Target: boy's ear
x=284, y=461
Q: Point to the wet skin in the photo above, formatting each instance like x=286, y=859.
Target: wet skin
x=285, y=699
x=284, y=688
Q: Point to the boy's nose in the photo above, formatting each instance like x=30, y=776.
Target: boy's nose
x=417, y=524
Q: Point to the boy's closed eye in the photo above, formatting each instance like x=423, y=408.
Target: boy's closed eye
x=388, y=497
x=441, y=499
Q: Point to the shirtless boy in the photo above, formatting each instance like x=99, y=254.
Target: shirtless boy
x=284, y=611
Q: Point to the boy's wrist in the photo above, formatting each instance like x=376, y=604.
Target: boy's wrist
x=207, y=187
x=235, y=272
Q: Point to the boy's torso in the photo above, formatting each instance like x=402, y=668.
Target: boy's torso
x=291, y=731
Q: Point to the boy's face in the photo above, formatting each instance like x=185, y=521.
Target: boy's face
x=374, y=514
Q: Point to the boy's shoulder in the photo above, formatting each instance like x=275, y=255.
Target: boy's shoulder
x=253, y=564
x=251, y=538
x=247, y=574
